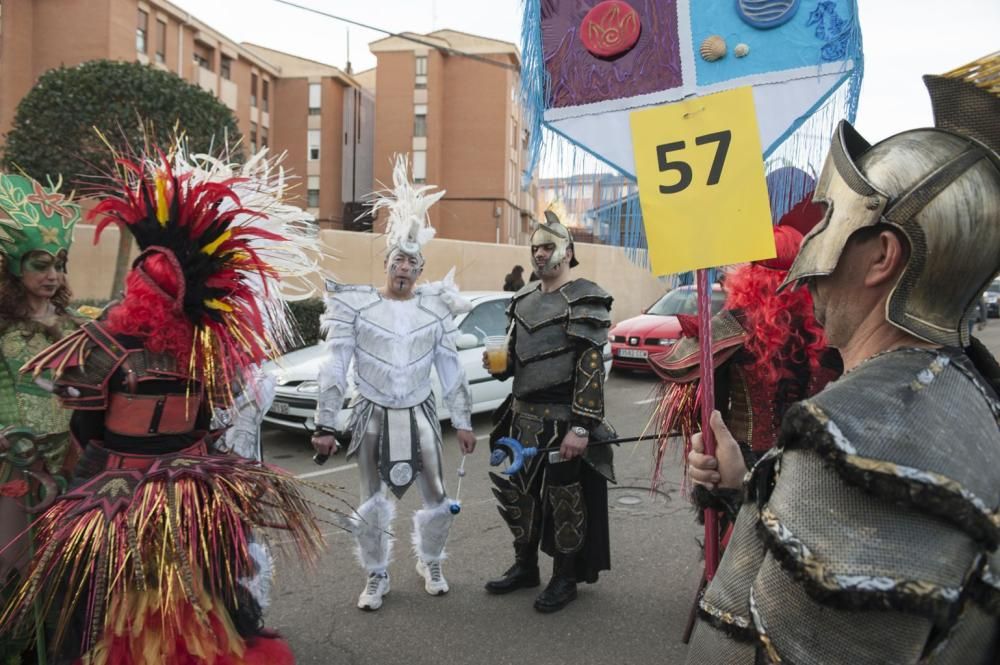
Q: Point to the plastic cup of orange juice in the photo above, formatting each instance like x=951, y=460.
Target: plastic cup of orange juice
x=496, y=353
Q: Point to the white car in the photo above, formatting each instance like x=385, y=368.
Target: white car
x=294, y=405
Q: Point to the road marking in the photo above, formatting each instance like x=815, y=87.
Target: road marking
x=647, y=401
x=323, y=472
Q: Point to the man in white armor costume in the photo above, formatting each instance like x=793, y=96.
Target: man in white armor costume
x=395, y=334
x=869, y=534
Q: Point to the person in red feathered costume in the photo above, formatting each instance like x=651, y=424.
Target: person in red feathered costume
x=769, y=352
x=149, y=558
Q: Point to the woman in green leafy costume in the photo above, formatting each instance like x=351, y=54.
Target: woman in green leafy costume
x=36, y=229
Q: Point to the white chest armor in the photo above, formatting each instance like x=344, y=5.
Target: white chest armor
x=394, y=344
x=395, y=352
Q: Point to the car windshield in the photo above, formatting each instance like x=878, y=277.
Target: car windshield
x=486, y=320
x=993, y=288
x=685, y=301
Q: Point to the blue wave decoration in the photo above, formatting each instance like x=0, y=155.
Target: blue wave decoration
x=764, y=14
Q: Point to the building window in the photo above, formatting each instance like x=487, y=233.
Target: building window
x=253, y=137
x=141, y=31
x=312, y=192
x=265, y=94
x=421, y=72
x=253, y=90
x=419, y=166
x=263, y=137
x=420, y=119
x=313, y=142
x=202, y=61
x=161, y=41
x=226, y=67
x=314, y=98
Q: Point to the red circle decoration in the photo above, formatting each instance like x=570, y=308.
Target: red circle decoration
x=610, y=28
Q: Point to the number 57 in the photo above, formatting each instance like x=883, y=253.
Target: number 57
x=683, y=169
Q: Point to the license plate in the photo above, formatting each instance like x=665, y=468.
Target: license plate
x=631, y=353
x=281, y=408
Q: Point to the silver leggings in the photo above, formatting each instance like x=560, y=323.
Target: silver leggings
x=430, y=480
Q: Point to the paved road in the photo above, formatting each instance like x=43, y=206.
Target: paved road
x=634, y=615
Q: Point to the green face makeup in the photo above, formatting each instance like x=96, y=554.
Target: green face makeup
x=44, y=264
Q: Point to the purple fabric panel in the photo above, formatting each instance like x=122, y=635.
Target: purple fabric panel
x=577, y=77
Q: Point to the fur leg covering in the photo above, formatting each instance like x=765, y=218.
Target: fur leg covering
x=430, y=531
x=371, y=531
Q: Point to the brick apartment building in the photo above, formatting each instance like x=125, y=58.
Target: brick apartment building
x=314, y=112
x=460, y=120
x=457, y=116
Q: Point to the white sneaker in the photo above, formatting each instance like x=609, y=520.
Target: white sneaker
x=434, y=582
x=377, y=586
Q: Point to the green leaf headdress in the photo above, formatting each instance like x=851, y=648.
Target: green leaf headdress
x=33, y=218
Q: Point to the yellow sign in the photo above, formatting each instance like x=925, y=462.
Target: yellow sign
x=701, y=182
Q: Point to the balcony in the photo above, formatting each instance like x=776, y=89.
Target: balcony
x=208, y=80
x=228, y=93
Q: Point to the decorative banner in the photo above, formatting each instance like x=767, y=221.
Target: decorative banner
x=701, y=182
x=588, y=65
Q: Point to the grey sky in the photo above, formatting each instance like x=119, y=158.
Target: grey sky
x=903, y=39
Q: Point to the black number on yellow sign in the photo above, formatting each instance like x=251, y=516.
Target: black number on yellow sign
x=683, y=169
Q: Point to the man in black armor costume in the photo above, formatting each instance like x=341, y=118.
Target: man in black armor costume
x=869, y=534
x=559, y=501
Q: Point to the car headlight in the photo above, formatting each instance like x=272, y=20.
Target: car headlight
x=666, y=341
x=311, y=387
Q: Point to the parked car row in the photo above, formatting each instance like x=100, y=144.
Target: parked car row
x=294, y=405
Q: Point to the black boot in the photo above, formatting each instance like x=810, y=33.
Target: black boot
x=522, y=575
x=561, y=589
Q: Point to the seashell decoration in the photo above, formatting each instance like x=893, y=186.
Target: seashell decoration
x=741, y=50
x=713, y=48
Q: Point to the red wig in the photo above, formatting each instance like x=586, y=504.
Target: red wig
x=152, y=309
x=783, y=330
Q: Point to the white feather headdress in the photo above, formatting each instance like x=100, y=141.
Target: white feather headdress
x=408, y=227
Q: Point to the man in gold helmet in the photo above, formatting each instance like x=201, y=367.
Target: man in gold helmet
x=869, y=534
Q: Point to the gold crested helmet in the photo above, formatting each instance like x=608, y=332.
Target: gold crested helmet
x=553, y=231
x=938, y=187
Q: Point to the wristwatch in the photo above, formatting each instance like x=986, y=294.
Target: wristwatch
x=580, y=431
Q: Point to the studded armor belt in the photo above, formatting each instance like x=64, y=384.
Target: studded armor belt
x=543, y=411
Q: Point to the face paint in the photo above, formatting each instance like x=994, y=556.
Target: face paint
x=403, y=270
x=44, y=264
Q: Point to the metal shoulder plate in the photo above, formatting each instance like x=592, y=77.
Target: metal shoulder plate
x=82, y=363
x=682, y=362
x=344, y=301
x=589, y=311
x=886, y=494
x=435, y=305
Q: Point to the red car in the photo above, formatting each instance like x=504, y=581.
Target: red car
x=633, y=340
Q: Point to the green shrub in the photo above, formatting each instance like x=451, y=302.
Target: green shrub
x=307, y=313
